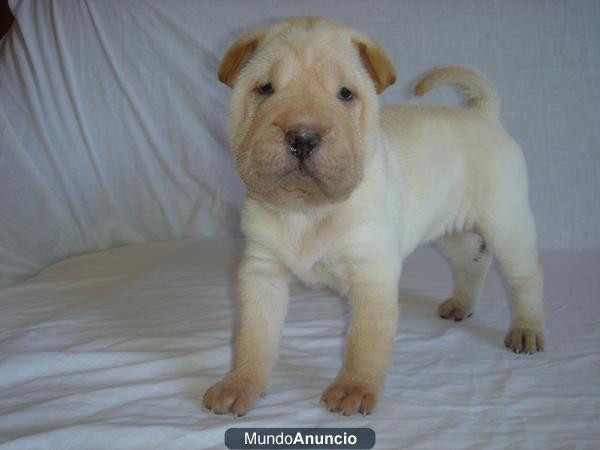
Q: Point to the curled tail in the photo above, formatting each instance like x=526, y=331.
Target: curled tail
x=480, y=93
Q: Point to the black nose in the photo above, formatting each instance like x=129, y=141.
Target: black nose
x=302, y=141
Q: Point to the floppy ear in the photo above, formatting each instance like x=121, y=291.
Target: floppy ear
x=238, y=54
x=376, y=62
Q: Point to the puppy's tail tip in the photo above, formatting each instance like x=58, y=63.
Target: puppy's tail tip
x=479, y=92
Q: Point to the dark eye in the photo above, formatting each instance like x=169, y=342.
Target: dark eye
x=265, y=89
x=345, y=94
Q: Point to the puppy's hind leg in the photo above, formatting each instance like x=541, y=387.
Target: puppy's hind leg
x=470, y=260
x=511, y=238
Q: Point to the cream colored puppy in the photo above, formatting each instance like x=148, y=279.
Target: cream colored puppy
x=340, y=191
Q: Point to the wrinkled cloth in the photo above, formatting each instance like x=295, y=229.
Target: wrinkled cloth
x=115, y=350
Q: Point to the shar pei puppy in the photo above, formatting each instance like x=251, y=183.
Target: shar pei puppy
x=340, y=191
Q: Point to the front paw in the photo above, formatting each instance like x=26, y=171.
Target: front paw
x=348, y=398
x=233, y=396
x=525, y=340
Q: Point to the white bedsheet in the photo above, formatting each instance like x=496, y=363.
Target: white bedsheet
x=115, y=349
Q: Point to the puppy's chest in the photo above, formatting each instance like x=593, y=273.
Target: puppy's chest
x=315, y=259
x=322, y=270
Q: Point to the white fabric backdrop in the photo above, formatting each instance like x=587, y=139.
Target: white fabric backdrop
x=113, y=126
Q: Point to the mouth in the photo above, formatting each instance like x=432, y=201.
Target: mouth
x=304, y=171
x=301, y=176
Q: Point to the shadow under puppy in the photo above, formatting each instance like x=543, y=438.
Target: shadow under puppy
x=340, y=191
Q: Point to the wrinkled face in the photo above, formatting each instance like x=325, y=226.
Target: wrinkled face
x=303, y=108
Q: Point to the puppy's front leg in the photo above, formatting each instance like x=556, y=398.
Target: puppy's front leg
x=263, y=296
x=374, y=305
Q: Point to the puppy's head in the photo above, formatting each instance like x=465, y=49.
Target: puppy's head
x=303, y=109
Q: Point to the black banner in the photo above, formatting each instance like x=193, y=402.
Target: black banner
x=299, y=438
